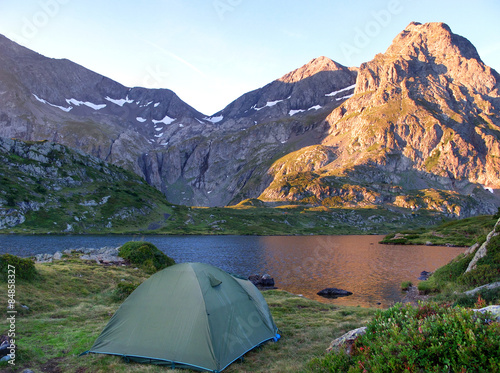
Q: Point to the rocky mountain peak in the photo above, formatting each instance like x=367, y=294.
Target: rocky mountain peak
x=311, y=68
x=434, y=38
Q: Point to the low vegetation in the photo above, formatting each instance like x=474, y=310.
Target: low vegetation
x=463, y=232
x=146, y=255
x=429, y=338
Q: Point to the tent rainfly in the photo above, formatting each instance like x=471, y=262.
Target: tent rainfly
x=190, y=315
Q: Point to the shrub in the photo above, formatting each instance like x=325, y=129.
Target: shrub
x=24, y=268
x=123, y=290
x=482, y=274
x=146, y=255
x=430, y=338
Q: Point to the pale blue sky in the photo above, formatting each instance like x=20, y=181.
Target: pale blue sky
x=211, y=51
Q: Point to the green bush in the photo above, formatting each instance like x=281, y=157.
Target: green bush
x=123, y=290
x=24, y=268
x=146, y=255
x=405, y=285
x=428, y=286
x=429, y=338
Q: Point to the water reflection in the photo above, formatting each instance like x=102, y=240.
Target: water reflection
x=373, y=272
x=299, y=264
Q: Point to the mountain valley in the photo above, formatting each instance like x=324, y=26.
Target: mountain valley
x=415, y=130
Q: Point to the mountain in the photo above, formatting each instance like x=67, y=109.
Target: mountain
x=422, y=130
x=193, y=159
x=415, y=128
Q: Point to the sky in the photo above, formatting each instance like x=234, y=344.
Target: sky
x=210, y=52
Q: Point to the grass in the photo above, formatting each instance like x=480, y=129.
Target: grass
x=74, y=300
x=463, y=232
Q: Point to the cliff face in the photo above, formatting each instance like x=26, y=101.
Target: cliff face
x=424, y=116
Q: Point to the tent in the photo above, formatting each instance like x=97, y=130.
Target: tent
x=190, y=315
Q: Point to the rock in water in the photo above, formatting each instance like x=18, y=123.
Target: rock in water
x=334, y=293
x=264, y=281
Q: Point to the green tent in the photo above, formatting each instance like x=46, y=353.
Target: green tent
x=189, y=315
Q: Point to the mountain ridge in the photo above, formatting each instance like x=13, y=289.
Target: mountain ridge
x=416, y=123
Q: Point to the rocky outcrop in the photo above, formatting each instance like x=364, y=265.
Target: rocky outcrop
x=482, y=251
x=103, y=255
x=45, y=184
x=346, y=341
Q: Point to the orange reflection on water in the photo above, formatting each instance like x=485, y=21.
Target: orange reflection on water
x=371, y=271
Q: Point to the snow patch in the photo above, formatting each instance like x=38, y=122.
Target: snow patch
x=340, y=90
x=119, y=102
x=66, y=109
x=165, y=120
x=268, y=104
x=214, y=119
x=293, y=112
x=159, y=135
x=199, y=121
x=157, y=104
x=488, y=189
x=140, y=119
x=159, y=129
x=341, y=98
x=181, y=125
x=91, y=105
x=316, y=107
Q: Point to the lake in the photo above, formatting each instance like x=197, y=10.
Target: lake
x=299, y=264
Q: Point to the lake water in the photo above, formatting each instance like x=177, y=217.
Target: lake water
x=299, y=264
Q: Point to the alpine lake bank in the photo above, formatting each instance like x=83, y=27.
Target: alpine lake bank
x=62, y=310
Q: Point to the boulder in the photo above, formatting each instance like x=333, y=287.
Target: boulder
x=347, y=340
x=424, y=275
x=334, y=293
x=493, y=310
x=264, y=281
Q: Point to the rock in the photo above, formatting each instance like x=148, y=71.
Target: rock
x=104, y=255
x=483, y=250
x=424, y=275
x=57, y=256
x=264, y=281
x=494, y=310
x=334, y=293
x=346, y=341
x=43, y=258
x=484, y=287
